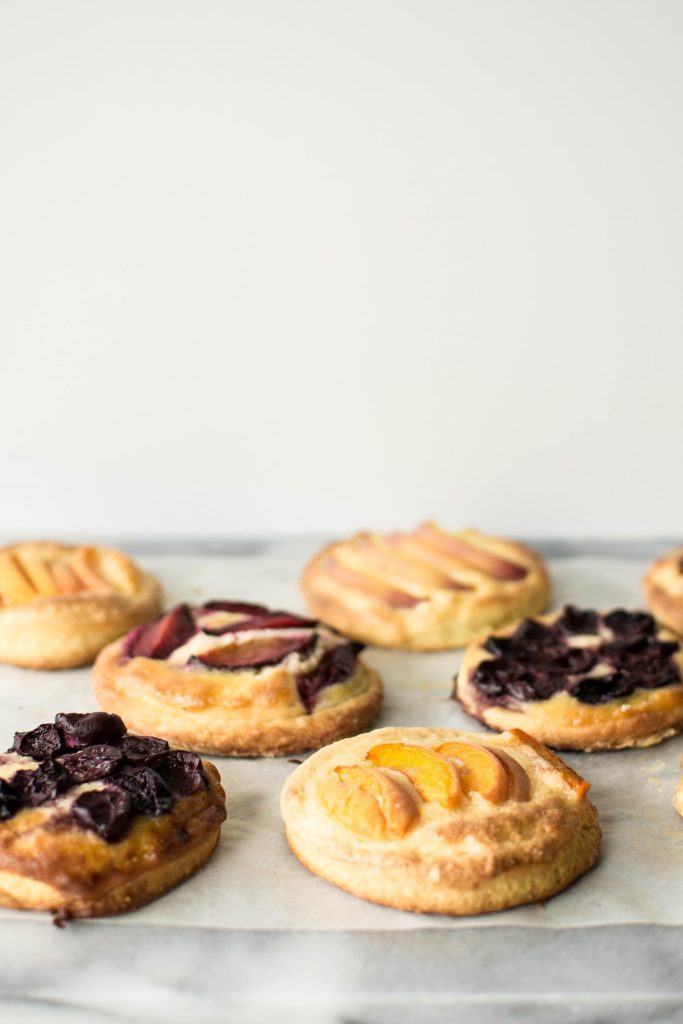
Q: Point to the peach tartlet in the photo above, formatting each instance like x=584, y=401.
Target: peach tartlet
x=234, y=678
x=663, y=585
x=95, y=821
x=61, y=604
x=578, y=679
x=425, y=590
x=441, y=821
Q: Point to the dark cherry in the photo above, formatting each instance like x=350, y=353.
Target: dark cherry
x=624, y=623
x=105, y=811
x=180, y=770
x=276, y=620
x=335, y=666
x=601, y=689
x=91, y=763
x=530, y=633
x=139, y=749
x=10, y=800
x=41, y=742
x=148, y=792
x=578, y=620
x=160, y=638
x=85, y=730
x=236, y=607
x=41, y=786
x=257, y=654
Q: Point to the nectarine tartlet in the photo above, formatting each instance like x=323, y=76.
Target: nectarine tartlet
x=425, y=590
x=578, y=680
x=663, y=585
x=60, y=604
x=234, y=678
x=95, y=821
x=441, y=821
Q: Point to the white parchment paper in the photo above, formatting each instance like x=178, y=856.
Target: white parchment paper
x=254, y=882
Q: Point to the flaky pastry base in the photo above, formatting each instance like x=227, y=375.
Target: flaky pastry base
x=643, y=719
x=69, y=630
x=447, y=620
x=663, y=586
x=229, y=714
x=72, y=872
x=473, y=861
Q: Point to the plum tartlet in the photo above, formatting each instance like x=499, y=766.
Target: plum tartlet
x=233, y=678
x=441, y=821
x=60, y=604
x=578, y=680
x=425, y=590
x=96, y=821
x=663, y=585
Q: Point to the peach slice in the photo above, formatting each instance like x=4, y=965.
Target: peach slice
x=83, y=563
x=482, y=771
x=378, y=553
x=435, y=777
x=38, y=571
x=15, y=585
x=572, y=778
x=520, y=786
x=356, y=808
x=119, y=571
x=478, y=558
x=421, y=554
x=392, y=596
x=66, y=579
x=398, y=806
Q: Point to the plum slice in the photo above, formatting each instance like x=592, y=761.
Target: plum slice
x=335, y=666
x=236, y=607
x=160, y=638
x=255, y=654
x=273, y=620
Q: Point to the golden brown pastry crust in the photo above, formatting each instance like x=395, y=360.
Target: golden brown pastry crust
x=477, y=858
x=678, y=798
x=66, y=630
x=663, y=586
x=441, y=618
x=232, y=714
x=48, y=864
x=644, y=718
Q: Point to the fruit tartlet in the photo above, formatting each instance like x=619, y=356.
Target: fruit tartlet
x=578, y=679
x=425, y=590
x=663, y=585
x=60, y=604
x=441, y=821
x=96, y=821
x=234, y=678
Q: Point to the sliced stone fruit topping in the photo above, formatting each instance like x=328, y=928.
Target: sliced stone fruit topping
x=371, y=586
x=107, y=812
x=480, y=769
x=273, y=620
x=396, y=804
x=132, y=774
x=234, y=607
x=572, y=778
x=434, y=776
x=336, y=666
x=378, y=553
x=255, y=654
x=160, y=638
x=472, y=555
x=356, y=808
x=621, y=653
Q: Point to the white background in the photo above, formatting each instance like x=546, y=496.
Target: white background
x=289, y=267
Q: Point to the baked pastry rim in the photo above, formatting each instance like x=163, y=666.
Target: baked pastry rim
x=667, y=608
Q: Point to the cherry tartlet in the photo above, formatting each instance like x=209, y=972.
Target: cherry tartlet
x=235, y=678
x=440, y=821
x=425, y=590
x=96, y=821
x=60, y=604
x=578, y=679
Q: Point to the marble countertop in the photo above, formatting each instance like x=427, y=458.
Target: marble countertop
x=99, y=972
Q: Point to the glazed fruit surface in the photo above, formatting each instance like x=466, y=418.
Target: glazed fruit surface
x=101, y=776
x=593, y=657
x=232, y=636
